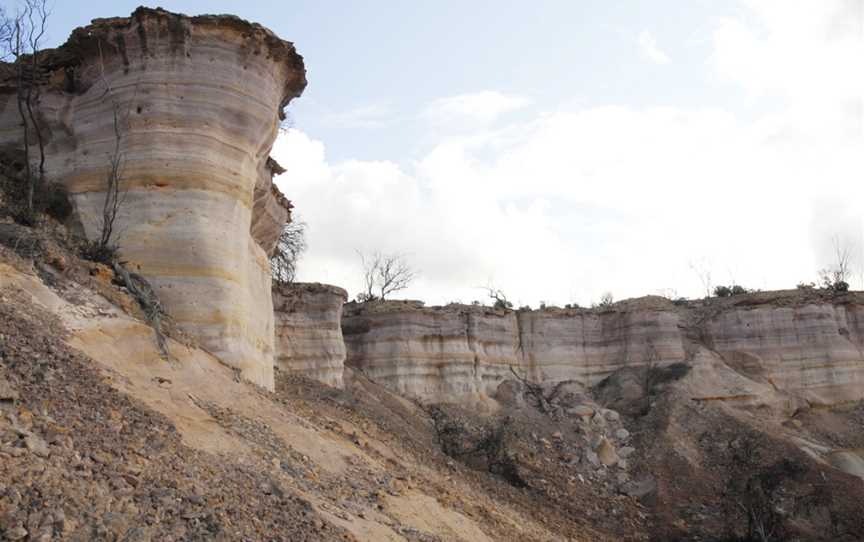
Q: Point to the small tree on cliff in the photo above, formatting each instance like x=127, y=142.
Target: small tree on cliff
x=836, y=278
x=289, y=248
x=497, y=295
x=22, y=38
x=384, y=274
x=104, y=249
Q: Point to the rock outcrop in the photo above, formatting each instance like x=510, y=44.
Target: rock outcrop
x=431, y=353
x=308, y=331
x=813, y=350
x=195, y=104
x=791, y=343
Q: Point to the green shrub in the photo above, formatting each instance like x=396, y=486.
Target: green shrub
x=739, y=290
x=729, y=291
x=723, y=291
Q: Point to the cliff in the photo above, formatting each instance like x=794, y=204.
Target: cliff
x=798, y=344
x=308, y=331
x=431, y=353
x=197, y=102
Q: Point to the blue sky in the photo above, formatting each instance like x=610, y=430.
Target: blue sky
x=564, y=149
x=379, y=62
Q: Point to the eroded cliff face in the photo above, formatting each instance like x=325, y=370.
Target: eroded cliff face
x=308, y=331
x=749, y=349
x=431, y=353
x=813, y=350
x=198, y=102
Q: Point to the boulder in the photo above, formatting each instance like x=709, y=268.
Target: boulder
x=583, y=411
x=606, y=453
x=639, y=489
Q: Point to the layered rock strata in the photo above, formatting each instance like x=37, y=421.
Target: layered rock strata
x=192, y=106
x=308, y=331
x=814, y=350
x=431, y=353
x=809, y=347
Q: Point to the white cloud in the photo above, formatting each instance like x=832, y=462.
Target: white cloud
x=366, y=116
x=649, y=49
x=478, y=107
x=569, y=204
x=805, y=52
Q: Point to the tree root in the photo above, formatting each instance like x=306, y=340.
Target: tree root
x=149, y=303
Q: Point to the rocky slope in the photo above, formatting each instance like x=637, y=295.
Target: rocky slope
x=103, y=439
x=196, y=104
x=725, y=419
x=308, y=331
x=804, y=344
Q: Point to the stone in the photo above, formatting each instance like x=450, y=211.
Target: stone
x=626, y=451
x=622, y=464
x=639, y=489
x=557, y=435
x=599, y=420
x=511, y=393
x=611, y=415
x=37, y=445
x=309, y=332
x=7, y=392
x=622, y=434
x=200, y=213
x=606, y=453
x=15, y=533
x=592, y=458
x=58, y=516
x=848, y=461
x=583, y=411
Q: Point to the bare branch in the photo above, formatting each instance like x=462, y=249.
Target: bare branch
x=703, y=271
x=289, y=247
x=498, y=296
x=836, y=278
x=22, y=37
x=384, y=274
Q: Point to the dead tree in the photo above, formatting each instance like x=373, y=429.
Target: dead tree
x=289, y=247
x=23, y=35
x=105, y=248
x=384, y=274
x=113, y=197
x=536, y=391
x=703, y=271
x=497, y=295
x=836, y=278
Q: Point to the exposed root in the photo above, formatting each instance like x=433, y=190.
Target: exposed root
x=149, y=302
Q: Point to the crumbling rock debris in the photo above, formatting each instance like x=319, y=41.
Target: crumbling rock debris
x=639, y=489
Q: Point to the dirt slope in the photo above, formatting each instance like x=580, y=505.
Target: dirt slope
x=128, y=444
x=104, y=438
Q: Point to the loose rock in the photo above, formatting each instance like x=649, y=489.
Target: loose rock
x=606, y=453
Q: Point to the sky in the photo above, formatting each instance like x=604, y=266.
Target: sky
x=559, y=150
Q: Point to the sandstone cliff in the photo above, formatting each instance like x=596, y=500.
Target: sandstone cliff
x=744, y=348
x=431, y=353
x=308, y=331
x=199, y=100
